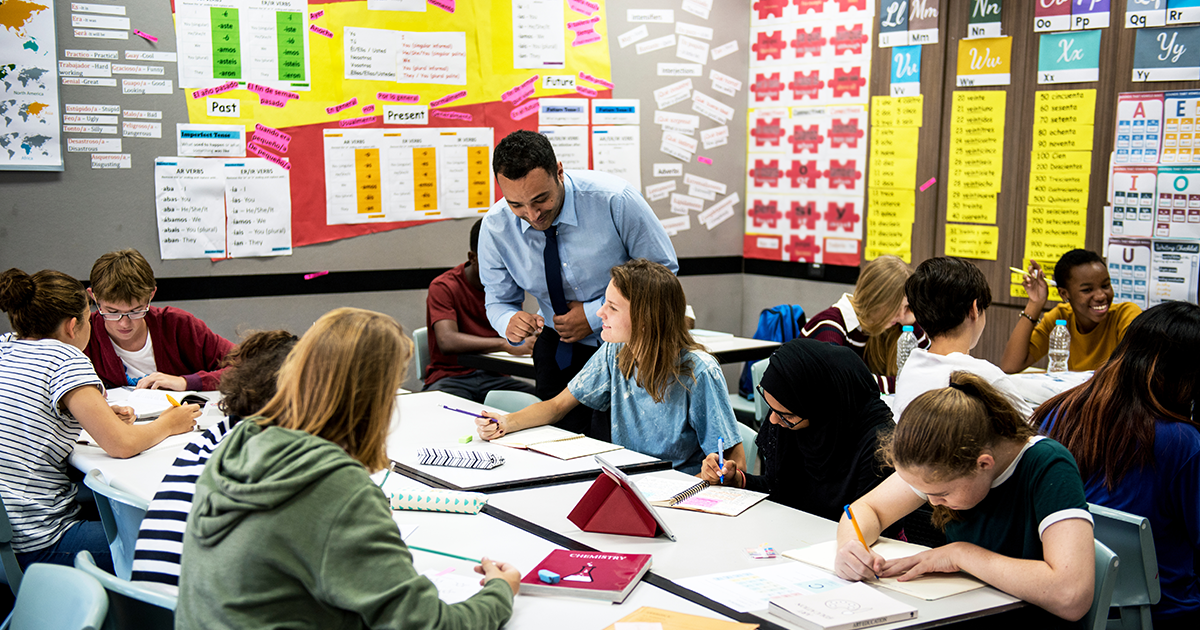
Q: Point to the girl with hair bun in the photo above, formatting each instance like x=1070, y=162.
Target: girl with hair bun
x=48, y=392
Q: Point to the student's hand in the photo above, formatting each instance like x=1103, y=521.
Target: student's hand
x=853, y=562
x=523, y=326
x=158, y=380
x=1035, y=285
x=523, y=349
x=180, y=419
x=710, y=472
x=491, y=570
x=938, y=560
x=125, y=414
x=489, y=430
x=573, y=325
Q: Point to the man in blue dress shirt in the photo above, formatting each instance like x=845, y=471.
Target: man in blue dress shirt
x=593, y=222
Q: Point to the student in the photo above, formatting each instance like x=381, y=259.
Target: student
x=1096, y=324
x=245, y=387
x=286, y=523
x=48, y=392
x=457, y=322
x=818, y=447
x=142, y=345
x=869, y=320
x=949, y=297
x=1134, y=432
x=668, y=397
x=1010, y=501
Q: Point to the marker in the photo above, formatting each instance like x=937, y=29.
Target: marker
x=858, y=531
x=174, y=403
x=1049, y=282
x=721, y=458
x=469, y=413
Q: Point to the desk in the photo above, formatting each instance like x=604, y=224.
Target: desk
x=725, y=349
x=419, y=420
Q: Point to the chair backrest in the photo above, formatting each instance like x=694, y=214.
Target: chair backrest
x=132, y=604
x=1130, y=537
x=54, y=597
x=509, y=401
x=8, y=557
x=1106, y=578
x=421, y=351
x=760, y=407
x=121, y=513
x=748, y=437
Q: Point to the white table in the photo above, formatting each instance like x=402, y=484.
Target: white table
x=421, y=420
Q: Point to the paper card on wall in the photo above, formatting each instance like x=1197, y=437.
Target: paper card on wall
x=1052, y=16
x=905, y=111
x=769, y=46
x=633, y=36
x=396, y=5
x=724, y=50
x=1134, y=198
x=692, y=30
x=984, y=20
x=189, y=199
x=615, y=150
x=1173, y=271
x=245, y=41
x=1180, y=143
x=664, y=16
x=847, y=131
x=563, y=111
x=698, y=8
x=1069, y=57
x=258, y=203
x=1044, y=222
x=923, y=22
x=886, y=237
x=1064, y=137
x=1139, y=127
x=984, y=61
x=654, y=192
x=210, y=140
x=539, y=34
x=892, y=172
x=1088, y=14
x=701, y=193
x=435, y=57
x=680, y=69
x=1167, y=54
x=674, y=225
x=1062, y=187
x=1177, y=211
x=970, y=206
x=657, y=43
x=724, y=83
x=715, y=137
x=617, y=111
x=370, y=54
x=972, y=241
x=1129, y=262
x=769, y=129
x=906, y=71
x=668, y=170
x=893, y=23
x=570, y=144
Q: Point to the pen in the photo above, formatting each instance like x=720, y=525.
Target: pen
x=174, y=403
x=469, y=413
x=721, y=458
x=443, y=553
x=850, y=515
x=1049, y=282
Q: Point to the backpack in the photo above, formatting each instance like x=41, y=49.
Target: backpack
x=779, y=323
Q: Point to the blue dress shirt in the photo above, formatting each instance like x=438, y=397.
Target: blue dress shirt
x=604, y=222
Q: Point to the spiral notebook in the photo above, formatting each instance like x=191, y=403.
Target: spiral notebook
x=459, y=458
x=697, y=495
x=556, y=442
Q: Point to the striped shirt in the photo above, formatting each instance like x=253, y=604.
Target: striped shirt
x=838, y=325
x=37, y=435
x=159, y=547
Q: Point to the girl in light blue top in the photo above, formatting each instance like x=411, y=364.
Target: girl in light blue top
x=668, y=397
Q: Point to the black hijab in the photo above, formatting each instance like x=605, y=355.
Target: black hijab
x=831, y=462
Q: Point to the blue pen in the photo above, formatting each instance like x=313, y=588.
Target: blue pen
x=721, y=458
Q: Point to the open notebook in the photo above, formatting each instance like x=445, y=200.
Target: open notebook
x=556, y=442
x=147, y=403
x=928, y=587
x=696, y=494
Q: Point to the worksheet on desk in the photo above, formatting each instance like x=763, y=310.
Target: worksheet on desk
x=751, y=589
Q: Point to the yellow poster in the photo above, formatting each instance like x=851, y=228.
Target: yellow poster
x=972, y=241
x=1065, y=107
x=984, y=61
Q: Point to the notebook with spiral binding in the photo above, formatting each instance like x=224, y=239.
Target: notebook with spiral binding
x=692, y=494
x=459, y=458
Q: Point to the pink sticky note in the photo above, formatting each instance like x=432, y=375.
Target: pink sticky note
x=275, y=144
x=449, y=98
x=445, y=5
x=583, y=24
x=583, y=6
x=320, y=31
x=524, y=111
x=272, y=101
x=367, y=109
x=271, y=131
x=146, y=36
x=441, y=113
x=520, y=92
x=357, y=122
x=316, y=14
x=310, y=276
x=344, y=106
x=393, y=97
x=703, y=160
x=224, y=87
x=268, y=156
x=932, y=181
x=598, y=81
x=586, y=37
x=586, y=91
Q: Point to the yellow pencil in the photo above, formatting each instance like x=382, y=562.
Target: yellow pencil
x=174, y=403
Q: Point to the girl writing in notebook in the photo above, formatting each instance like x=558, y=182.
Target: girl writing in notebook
x=1010, y=501
x=667, y=396
x=286, y=526
x=48, y=392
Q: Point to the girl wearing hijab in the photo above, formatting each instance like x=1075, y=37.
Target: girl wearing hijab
x=819, y=447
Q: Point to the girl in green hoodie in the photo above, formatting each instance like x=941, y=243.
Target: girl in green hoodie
x=287, y=529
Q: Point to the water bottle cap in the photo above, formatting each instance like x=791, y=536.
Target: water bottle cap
x=906, y=328
x=1060, y=322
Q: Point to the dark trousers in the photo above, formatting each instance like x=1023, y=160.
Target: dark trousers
x=551, y=381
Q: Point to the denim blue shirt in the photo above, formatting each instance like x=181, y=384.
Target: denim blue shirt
x=683, y=428
x=604, y=222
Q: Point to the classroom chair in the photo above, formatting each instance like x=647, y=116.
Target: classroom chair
x=1137, y=588
x=1106, y=578
x=55, y=597
x=760, y=406
x=8, y=557
x=139, y=605
x=753, y=465
x=421, y=352
x=509, y=401
x=121, y=513
x=743, y=409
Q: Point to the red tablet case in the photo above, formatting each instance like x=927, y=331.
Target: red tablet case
x=611, y=508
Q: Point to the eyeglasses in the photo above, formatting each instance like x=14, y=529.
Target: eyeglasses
x=116, y=317
x=783, y=415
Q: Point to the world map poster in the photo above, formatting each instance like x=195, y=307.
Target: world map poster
x=30, y=130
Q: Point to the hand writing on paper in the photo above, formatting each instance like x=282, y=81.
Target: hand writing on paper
x=491, y=570
x=523, y=326
x=573, y=325
x=939, y=560
x=158, y=380
x=180, y=419
x=710, y=472
x=853, y=562
x=489, y=429
x=125, y=414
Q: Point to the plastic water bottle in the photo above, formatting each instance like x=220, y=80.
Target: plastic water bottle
x=1060, y=347
x=904, y=346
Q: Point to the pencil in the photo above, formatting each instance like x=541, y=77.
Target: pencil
x=850, y=515
x=170, y=399
x=1049, y=282
x=443, y=553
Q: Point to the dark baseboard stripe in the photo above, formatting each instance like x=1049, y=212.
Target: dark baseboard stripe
x=803, y=271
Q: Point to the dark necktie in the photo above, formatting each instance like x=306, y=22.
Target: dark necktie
x=554, y=286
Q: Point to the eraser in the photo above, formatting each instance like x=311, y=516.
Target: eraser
x=549, y=577
x=466, y=440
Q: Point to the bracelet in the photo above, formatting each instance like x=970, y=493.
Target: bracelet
x=743, y=478
x=1027, y=316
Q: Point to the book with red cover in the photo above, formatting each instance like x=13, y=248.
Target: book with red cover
x=588, y=574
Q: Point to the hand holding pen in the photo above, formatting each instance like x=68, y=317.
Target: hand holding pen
x=855, y=560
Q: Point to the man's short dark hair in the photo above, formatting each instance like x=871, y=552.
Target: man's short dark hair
x=475, y=235
x=1071, y=260
x=522, y=151
x=941, y=291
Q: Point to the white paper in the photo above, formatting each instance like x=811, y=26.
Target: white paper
x=657, y=43
x=750, y=589
x=683, y=142
x=106, y=9
x=30, y=136
x=715, y=137
x=701, y=193
x=563, y=111
x=539, y=34
x=210, y=140
x=90, y=54
x=570, y=144
x=718, y=212
x=148, y=55
x=93, y=145
x=680, y=70
x=223, y=107
x=107, y=161
x=88, y=119
x=139, y=129
x=258, y=199
x=654, y=192
x=146, y=86
x=692, y=50
x=724, y=83
x=674, y=93
x=686, y=202
x=432, y=57
x=85, y=68
x=669, y=169
x=142, y=114
x=678, y=224
x=89, y=82
x=263, y=30
x=82, y=108
x=615, y=150
x=189, y=198
x=406, y=114
x=130, y=68
x=705, y=183
x=99, y=21
x=100, y=129
x=691, y=30
x=558, y=82
x=675, y=119
x=370, y=54
x=616, y=111
x=1173, y=271
x=650, y=15
x=453, y=588
x=724, y=50
x=698, y=8
x=95, y=33
x=632, y=36
x=417, y=6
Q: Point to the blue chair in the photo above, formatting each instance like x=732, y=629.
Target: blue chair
x=121, y=513
x=1137, y=587
x=509, y=401
x=8, y=557
x=140, y=605
x=55, y=597
x=421, y=352
x=1106, y=578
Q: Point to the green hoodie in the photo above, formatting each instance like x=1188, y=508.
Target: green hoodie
x=287, y=531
